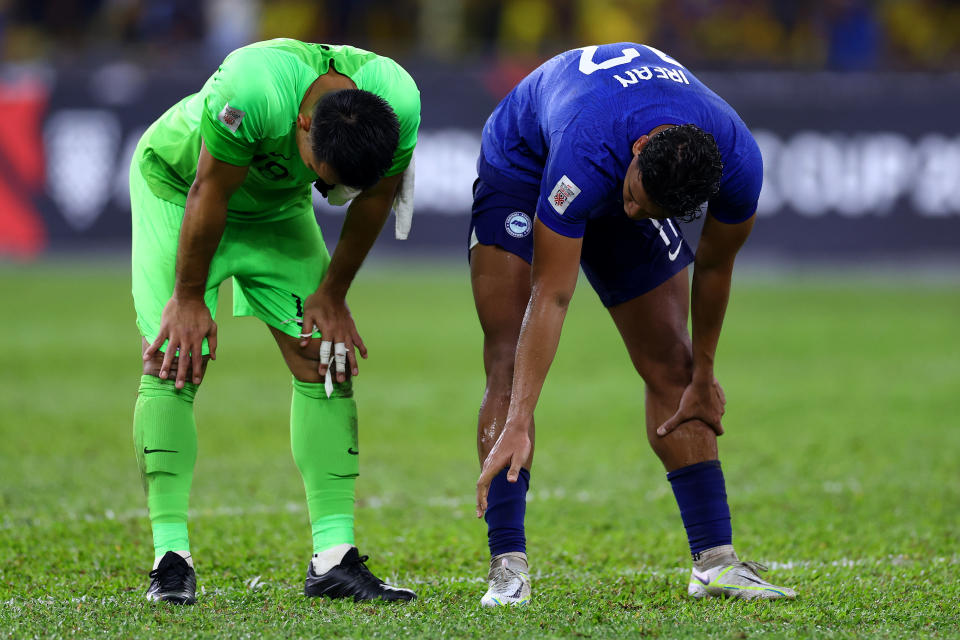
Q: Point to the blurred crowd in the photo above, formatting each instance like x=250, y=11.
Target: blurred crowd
x=843, y=35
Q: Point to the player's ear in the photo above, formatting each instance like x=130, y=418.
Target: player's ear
x=639, y=144
x=303, y=122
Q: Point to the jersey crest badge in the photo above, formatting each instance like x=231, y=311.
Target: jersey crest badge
x=563, y=194
x=518, y=224
x=230, y=117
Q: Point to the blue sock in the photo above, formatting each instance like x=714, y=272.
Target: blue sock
x=506, y=505
x=702, y=498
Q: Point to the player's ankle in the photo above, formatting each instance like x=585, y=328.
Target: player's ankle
x=714, y=557
x=327, y=559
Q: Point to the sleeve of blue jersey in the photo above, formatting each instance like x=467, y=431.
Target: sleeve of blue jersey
x=564, y=225
x=577, y=160
x=739, y=190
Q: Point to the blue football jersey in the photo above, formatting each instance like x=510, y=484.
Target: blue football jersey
x=567, y=129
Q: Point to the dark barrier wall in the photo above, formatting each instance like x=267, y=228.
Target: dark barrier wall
x=856, y=166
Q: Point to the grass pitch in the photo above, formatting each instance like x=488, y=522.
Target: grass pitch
x=841, y=460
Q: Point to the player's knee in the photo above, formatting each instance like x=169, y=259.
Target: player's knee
x=307, y=369
x=152, y=367
x=307, y=374
x=304, y=366
x=668, y=371
x=152, y=386
x=304, y=362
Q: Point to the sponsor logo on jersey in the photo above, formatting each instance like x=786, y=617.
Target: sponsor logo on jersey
x=230, y=117
x=518, y=224
x=563, y=194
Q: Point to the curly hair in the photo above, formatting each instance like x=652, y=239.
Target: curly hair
x=680, y=169
x=356, y=132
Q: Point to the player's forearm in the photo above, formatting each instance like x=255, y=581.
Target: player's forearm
x=710, y=293
x=363, y=223
x=536, y=350
x=204, y=220
x=360, y=230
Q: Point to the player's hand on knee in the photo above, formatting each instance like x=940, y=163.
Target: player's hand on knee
x=703, y=401
x=340, y=339
x=512, y=449
x=184, y=324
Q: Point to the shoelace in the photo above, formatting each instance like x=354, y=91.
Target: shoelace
x=172, y=576
x=755, y=567
x=503, y=576
x=360, y=568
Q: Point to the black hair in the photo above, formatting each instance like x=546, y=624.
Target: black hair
x=680, y=169
x=356, y=133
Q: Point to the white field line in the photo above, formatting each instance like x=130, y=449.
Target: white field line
x=25, y=521
x=462, y=506
x=256, y=583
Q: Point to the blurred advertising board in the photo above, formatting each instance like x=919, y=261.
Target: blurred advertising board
x=857, y=166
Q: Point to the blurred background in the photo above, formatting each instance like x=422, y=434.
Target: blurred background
x=854, y=103
x=839, y=355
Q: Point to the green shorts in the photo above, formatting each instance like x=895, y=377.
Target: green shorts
x=274, y=265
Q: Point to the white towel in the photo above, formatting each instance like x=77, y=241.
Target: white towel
x=402, y=204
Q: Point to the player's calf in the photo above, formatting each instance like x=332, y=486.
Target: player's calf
x=494, y=407
x=325, y=445
x=165, y=441
x=701, y=495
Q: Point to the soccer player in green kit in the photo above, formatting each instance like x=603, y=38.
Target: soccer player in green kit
x=220, y=187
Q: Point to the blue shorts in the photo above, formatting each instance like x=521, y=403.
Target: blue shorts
x=622, y=258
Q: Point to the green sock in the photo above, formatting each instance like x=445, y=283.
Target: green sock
x=165, y=437
x=323, y=437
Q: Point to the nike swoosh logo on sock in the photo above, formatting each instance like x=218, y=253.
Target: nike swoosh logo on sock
x=353, y=452
x=145, y=450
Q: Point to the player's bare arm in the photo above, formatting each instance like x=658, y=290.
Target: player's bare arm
x=555, y=267
x=186, y=320
x=326, y=310
x=703, y=399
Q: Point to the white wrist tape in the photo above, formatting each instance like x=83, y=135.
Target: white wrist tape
x=340, y=357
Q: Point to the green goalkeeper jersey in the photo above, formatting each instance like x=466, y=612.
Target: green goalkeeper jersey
x=246, y=115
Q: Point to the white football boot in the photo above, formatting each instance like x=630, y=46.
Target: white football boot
x=509, y=580
x=736, y=580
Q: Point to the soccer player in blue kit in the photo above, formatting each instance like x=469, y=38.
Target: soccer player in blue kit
x=588, y=162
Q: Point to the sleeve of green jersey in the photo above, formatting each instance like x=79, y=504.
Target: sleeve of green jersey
x=391, y=82
x=234, y=109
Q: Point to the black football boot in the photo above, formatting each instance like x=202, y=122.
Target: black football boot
x=173, y=581
x=351, y=578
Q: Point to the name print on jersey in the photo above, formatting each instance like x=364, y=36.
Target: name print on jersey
x=646, y=73
x=588, y=66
